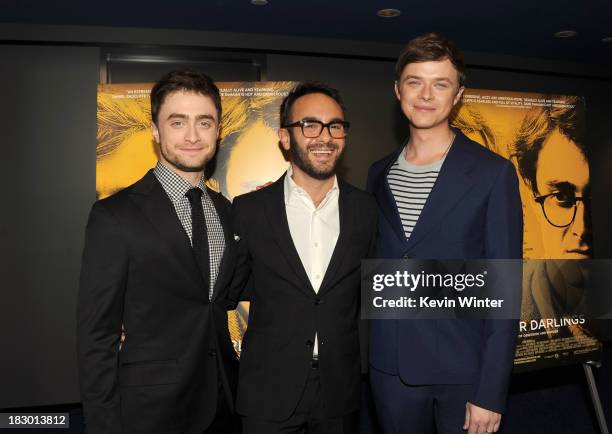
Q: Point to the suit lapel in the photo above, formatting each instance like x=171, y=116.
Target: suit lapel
x=386, y=201
x=347, y=214
x=279, y=227
x=150, y=197
x=224, y=266
x=452, y=185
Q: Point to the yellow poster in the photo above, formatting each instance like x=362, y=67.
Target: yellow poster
x=545, y=137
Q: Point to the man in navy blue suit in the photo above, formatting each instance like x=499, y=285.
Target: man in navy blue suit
x=442, y=196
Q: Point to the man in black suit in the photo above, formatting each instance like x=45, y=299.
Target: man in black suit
x=158, y=256
x=301, y=240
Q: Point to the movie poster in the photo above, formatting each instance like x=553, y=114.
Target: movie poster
x=543, y=135
x=249, y=155
x=545, y=138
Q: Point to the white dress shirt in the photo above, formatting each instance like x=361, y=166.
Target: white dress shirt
x=314, y=229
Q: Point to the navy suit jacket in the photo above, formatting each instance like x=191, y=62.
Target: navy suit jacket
x=473, y=211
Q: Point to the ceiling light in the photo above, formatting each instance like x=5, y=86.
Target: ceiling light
x=608, y=39
x=388, y=13
x=259, y=2
x=566, y=34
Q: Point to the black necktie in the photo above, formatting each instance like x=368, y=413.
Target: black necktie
x=199, y=234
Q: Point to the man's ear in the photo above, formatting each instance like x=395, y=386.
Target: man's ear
x=397, y=92
x=155, y=132
x=458, y=96
x=283, y=137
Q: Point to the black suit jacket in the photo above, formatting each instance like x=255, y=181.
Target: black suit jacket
x=286, y=312
x=139, y=270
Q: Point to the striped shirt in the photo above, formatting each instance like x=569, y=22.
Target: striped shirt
x=411, y=185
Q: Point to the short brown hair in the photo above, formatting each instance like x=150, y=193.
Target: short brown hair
x=184, y=80
x=430, y=47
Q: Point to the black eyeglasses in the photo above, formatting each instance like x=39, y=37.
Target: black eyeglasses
x=313, y=129
x=559, y=208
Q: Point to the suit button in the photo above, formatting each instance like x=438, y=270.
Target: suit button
x=318, y=301
x=212, y=353
x=309, y=343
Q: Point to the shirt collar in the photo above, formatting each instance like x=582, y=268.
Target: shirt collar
x=174, y=185
x=292, y=189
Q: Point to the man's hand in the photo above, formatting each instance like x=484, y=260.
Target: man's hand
x=479, y=420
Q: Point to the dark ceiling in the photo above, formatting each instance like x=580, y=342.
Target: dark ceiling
x=520, y=28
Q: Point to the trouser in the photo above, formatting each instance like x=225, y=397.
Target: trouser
x=309, y=416
x=406, y=409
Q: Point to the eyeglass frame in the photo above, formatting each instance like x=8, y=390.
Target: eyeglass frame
x=300, y=123
x=541, y=199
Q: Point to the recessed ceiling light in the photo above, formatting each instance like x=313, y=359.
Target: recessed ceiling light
x=388, y=13
x=608, y=39
x=566, y=34
x=259, y=2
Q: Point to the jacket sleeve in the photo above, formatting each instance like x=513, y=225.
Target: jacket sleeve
x=239, y=288
x=504, y=240
x=364, y=325
x=370, y=180
x=99, y=318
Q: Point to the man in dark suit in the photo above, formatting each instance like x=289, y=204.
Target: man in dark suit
x=301, y=241
x=158, y=256
x=442, y=196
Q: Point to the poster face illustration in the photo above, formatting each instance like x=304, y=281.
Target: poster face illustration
x=544, y=136
x=249, y=155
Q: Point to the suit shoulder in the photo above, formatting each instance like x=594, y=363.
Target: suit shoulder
x=110, y=214
x=116, y=201
x=365, y=202
x=379, y=165
x=483, y=154
x=490, y=166
x=251, y=198
x=360, y=194
x=219, y=196
x=377, y=170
